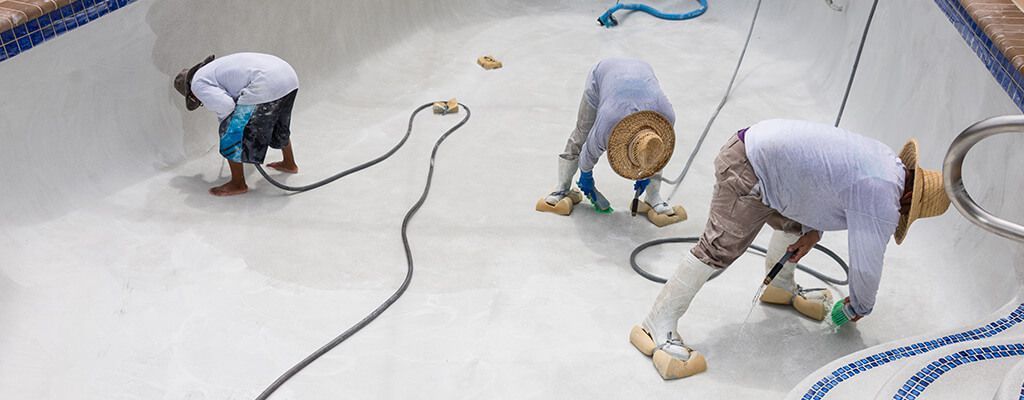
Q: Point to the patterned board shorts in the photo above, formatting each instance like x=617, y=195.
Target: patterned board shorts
x=250, y=129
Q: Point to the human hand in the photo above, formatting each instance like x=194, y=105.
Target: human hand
x=641, y=185
x=856, y=317
x=803, y=245
x=586, y=184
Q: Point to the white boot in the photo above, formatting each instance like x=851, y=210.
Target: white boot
x=566, y=170
x=658, y=336
x=653, y=197
x=562, y=200
x=783, y=289
x=657, y=210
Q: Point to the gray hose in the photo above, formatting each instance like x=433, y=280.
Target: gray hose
x=347, y=172
x=700, y=143
x=856, y=62
x=707, y=128
x=405, y=243
x=753, y=249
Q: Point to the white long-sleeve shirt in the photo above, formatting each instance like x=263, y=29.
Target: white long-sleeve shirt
x=830, y=179
x=243, y=78
x=616, y=88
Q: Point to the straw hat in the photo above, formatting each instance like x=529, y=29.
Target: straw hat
x=641, y=144
x=928, y=198
x=183, y=84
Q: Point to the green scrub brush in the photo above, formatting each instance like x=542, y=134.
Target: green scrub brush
x=839, y=317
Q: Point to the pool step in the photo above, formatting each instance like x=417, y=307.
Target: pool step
x=869, y=373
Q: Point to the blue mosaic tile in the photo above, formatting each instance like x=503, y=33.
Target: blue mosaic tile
x=25, y=43
x=57, y=22
x=1002, y=70
x=20, y=31
x=44, y=21
x=12, y=49
x=82, y=18
x=913, y=388
x=48, y=33
x=823, y=386
x=36, y=37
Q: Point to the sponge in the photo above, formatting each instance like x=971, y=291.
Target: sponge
x=564, y=206
x=488, y=62
x=446, y=107
x=662, y=220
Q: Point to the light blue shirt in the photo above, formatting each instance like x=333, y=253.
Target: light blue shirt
x=830, y=179
x=616, y=88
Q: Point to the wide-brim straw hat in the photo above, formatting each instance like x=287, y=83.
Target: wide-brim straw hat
x=928, y=198
x=183, y=83
x=641, y=144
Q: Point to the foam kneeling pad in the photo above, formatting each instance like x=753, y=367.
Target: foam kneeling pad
x=661, y=220
x=775, y=295
x=640, y=339
x=812, y=303
x=673, y=368
x=564, y=206
x=488, y=62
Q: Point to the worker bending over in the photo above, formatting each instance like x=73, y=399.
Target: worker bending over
x=624, y=113
x=801, y=178
x=252, y=95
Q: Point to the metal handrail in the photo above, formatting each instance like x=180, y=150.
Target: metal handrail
x=953, y=178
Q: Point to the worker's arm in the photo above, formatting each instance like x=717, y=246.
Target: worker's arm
x=213, y=98
x=868, y=238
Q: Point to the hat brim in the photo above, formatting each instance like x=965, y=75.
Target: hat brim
x=191, y=102
x=622, y=135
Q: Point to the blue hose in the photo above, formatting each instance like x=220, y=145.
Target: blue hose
x=607, y=20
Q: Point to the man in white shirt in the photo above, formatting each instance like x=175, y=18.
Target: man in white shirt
x=623, y=113
x=252, y=95
x=801, y=178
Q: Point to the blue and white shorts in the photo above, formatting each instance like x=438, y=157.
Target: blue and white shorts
x=250, y=129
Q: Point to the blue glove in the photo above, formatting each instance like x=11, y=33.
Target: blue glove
x=586, y=184
x=641, y=185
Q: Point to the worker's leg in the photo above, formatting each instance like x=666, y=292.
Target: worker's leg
x=783, y=289
x=568, y=161
x=736, y=216
x=281, y=136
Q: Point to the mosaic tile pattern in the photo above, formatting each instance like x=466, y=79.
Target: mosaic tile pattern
x=28, y=23
x=1006, y=74
x=822, y=387
x=918, y=383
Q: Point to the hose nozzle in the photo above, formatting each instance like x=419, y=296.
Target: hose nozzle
x=778, y=267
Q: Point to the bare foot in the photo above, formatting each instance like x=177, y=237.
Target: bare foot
x=229, y=189
x=281, y=166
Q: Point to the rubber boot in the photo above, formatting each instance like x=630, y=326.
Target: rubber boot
x=564, y=197
x=658, y=336
x=657, y=210
x=814, y=303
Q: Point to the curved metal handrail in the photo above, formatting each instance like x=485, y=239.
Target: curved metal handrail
x=953, y=178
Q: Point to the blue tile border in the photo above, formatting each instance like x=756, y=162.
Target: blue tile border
x=37, y=31
x=822, y=387
x=1008, y=77
x=918, y=383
